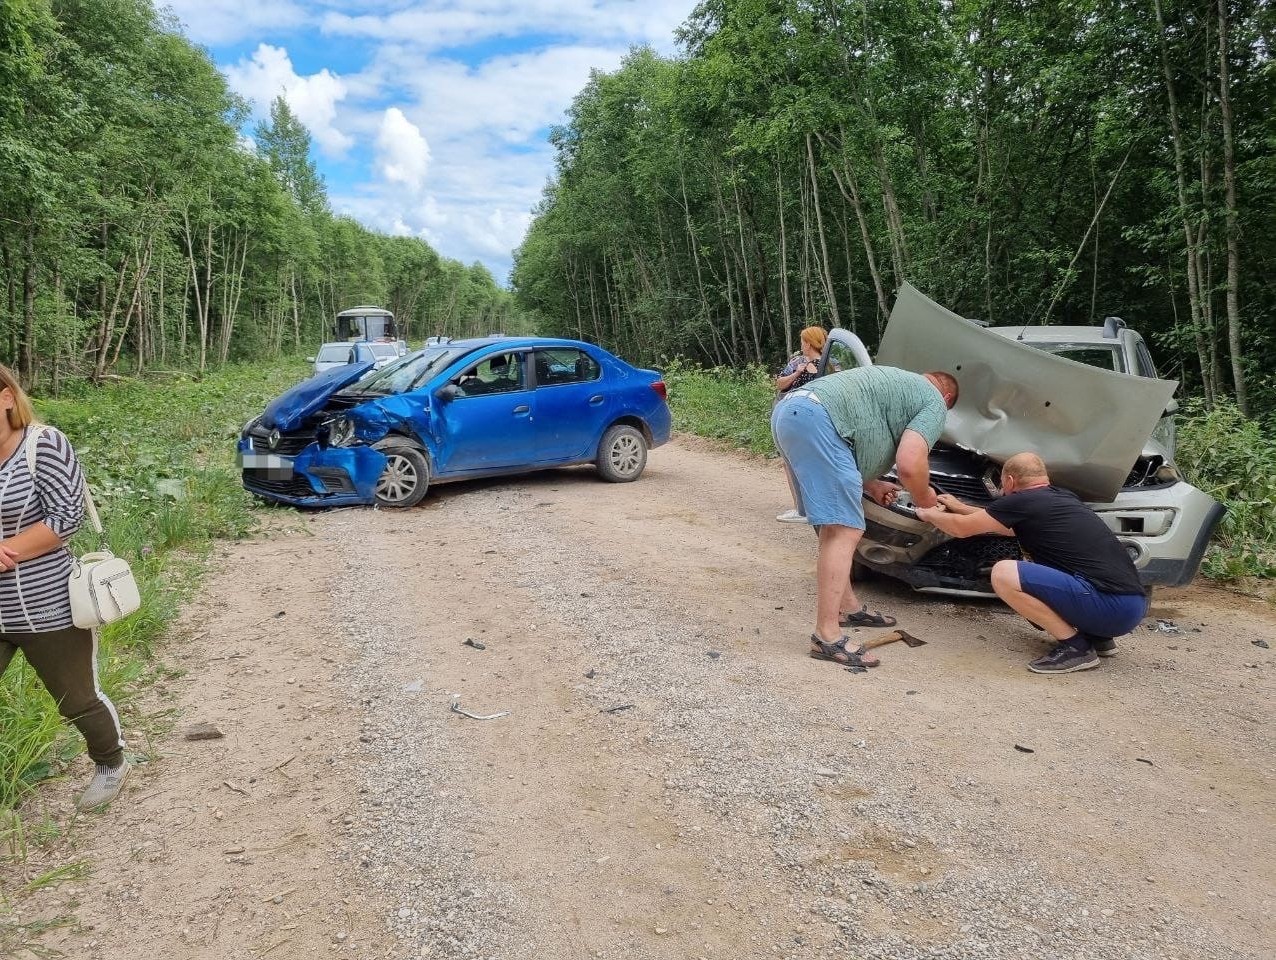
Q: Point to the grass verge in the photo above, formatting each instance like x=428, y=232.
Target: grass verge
x=160, y=458
x=1220, y=451
x=722, y=403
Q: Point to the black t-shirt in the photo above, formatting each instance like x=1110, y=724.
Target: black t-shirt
x=1056, y=529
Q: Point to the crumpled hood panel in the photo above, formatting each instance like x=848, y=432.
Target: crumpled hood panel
x=1088, y=424
x=290, y=409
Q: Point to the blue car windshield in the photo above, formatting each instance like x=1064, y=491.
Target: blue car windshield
x=408, y=374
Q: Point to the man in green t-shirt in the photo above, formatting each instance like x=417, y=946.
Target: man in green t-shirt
x=839, y=434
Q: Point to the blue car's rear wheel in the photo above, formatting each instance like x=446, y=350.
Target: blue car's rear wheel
x=622, y=454
x=406, y=477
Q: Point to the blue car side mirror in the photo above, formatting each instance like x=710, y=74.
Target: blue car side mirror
x=447, y=392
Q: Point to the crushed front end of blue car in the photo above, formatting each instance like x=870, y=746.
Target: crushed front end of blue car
x=288, y=454
x=316, y=476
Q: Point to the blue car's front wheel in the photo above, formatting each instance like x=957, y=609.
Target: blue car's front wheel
x=406, y=477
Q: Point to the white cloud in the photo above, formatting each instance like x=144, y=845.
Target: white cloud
x=225, y=21
x=439, y=24
x=314, y=98
x=453, y=101
x=511, y=97
x=481, y=132
x=403, y=154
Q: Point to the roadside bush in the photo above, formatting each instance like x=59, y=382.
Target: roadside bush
x=1234, y=461
x=722, y=403
x=160, y=458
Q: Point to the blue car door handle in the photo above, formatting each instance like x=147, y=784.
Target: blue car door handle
x=521, y=409
x=596, y=399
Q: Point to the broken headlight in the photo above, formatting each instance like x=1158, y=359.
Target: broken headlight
x=340, y=432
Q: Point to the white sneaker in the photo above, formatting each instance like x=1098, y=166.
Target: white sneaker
x=791, y=516
x=104, y=787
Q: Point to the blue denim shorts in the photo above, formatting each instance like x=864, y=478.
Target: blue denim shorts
x=1078, y=602
x=828, y=480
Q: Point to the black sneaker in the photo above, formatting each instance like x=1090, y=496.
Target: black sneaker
x=1103, y=646
x=1065, y=658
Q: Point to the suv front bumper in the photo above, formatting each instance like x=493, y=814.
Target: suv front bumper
x=1164, y=529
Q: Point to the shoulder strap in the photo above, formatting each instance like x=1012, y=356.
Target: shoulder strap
x=34, y=433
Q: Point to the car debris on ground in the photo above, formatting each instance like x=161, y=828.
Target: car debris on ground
x=456, y=708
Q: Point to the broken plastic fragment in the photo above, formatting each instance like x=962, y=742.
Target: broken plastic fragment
x=456, y=708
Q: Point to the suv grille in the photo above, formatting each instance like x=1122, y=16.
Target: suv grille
x=964, y=474
x=972, y=557
x=969, y=489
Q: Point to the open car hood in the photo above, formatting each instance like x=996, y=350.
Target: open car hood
x=1089, y=425
x=290, y=409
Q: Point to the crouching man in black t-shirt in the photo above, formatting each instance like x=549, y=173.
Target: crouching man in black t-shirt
x=1080, y=585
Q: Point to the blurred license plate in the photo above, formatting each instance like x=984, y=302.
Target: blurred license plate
x=275, y=466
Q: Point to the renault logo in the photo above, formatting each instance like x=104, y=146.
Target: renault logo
x=273, y=439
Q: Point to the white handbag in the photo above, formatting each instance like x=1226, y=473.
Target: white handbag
x=102, y=585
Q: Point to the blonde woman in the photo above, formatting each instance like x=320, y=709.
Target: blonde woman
x=803, y=368
x=797, y=373
x=40, y=509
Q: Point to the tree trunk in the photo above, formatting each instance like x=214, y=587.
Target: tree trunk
x=1233, y=232
x=159, y=320
x=850, y=192
x=296, y=311
x=819, y=229
x=748, y=276
x=784, y=259
x=201, y=299
x=1180, y=170
x=26, y=354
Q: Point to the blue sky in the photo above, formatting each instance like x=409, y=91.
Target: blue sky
x=429, y=117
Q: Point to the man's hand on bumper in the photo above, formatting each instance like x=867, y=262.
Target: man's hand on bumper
x=882, y=492
x=953, y=505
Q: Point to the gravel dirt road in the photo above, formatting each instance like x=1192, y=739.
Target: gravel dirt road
x=675, y=778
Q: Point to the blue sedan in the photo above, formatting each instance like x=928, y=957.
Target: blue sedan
x=461, y=409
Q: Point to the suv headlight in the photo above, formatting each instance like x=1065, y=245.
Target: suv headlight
x=340, y=432
x=249, y=425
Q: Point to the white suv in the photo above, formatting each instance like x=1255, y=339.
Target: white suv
x=1087, y=399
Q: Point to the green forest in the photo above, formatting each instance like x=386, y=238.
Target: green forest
x=1057, y=161
x=141, y=229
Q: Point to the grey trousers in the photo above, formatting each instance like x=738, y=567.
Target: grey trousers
x=66, y=662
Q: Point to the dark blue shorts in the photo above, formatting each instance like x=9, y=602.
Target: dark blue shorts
x=1073, y=598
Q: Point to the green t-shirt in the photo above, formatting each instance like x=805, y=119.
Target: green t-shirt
x=871, y=407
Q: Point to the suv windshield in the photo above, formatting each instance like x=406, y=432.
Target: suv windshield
x=1091, y=354
x=408, y=374
x=385, y=349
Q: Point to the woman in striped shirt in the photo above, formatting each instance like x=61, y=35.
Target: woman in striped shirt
x=39, y=511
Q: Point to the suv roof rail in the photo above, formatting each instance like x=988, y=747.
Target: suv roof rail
x=1112, y=327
